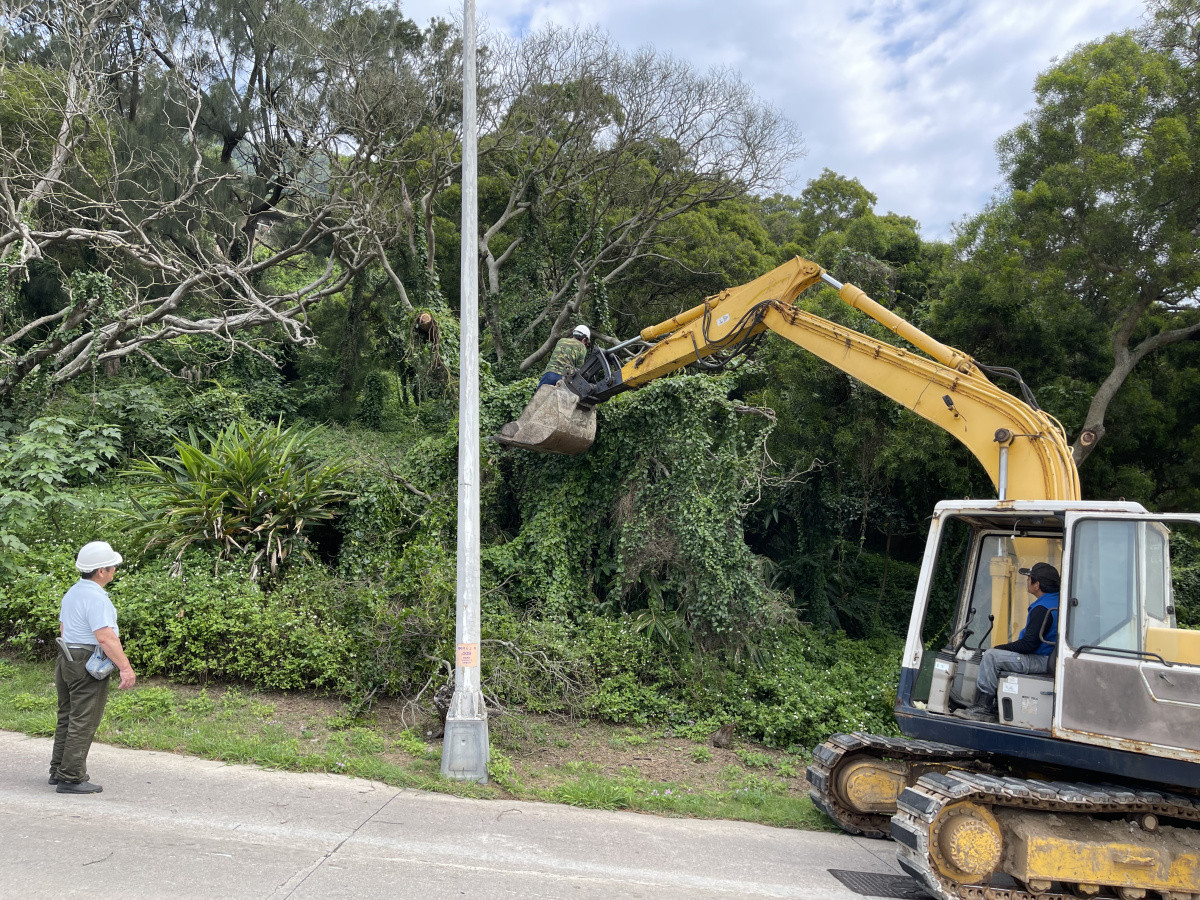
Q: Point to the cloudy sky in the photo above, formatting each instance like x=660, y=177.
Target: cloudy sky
x=908, y=96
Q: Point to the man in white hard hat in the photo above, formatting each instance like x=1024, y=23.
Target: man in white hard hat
x=87, y=621
x=569, y=353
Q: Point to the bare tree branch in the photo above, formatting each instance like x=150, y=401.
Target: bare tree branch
x=266, y=146
x=620, y=144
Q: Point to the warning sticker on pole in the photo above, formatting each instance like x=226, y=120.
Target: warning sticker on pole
x=468, y=656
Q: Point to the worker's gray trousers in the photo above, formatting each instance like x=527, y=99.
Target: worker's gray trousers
x=81, y=700
x=995, y=661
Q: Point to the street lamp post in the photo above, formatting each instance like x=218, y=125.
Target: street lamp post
x=465, y=745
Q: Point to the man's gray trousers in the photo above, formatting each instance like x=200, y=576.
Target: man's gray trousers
x=995, y=661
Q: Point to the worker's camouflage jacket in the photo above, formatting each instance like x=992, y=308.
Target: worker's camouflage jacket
x=568, y=354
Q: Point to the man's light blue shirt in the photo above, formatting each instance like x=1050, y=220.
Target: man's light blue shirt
x=86, y=609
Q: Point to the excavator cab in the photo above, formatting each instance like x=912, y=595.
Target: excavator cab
x=1118, y=626
x=1087, y=781
x=991, y=608
x=1089, y=777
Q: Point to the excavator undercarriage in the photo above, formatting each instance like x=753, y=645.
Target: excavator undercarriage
x=969, y=831
x=976, y=836
x=856, y=779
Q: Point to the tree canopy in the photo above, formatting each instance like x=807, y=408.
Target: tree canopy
x=1103, y=211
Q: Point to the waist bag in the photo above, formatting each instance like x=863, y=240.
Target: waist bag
x=99, y=666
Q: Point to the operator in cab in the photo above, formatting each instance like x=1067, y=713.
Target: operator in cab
x=569, y=353
x=1031, y=653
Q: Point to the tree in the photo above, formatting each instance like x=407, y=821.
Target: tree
x=262, y=136
x=1104, y=203
x=588, y=151
x=831, y=202
x=701, y=252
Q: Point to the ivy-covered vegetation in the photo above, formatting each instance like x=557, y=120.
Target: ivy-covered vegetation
x=256, y=400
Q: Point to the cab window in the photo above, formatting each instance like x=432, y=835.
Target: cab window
x=1103, y=585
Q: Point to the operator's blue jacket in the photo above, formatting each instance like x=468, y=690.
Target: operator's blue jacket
x=1029, y=642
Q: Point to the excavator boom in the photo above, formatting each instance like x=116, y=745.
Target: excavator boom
x=1023, y=450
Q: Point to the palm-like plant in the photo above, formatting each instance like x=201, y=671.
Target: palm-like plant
x=254, y=490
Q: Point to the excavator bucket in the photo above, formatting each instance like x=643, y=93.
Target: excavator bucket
x=552, y=422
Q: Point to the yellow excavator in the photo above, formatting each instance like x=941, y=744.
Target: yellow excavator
x=1087, y=784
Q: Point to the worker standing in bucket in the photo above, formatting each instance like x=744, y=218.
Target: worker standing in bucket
x=554, y=421
x=569, y=353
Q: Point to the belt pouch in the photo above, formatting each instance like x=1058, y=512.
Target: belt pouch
x=99, y=666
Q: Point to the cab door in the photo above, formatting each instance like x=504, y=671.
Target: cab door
x=1127, y=677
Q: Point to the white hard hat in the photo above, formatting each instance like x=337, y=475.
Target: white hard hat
x=97, y=555
x=583, y=332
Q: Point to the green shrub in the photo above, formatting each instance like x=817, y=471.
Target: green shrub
x=205, y=625
x=29, y=600
x=37, y=464
x=253, y=492
x=817, y=685
x=210, y=406
x=650, y=518
x=379, y=399
x=144, y=415
x=1185, y=576
x=501, y=770
x=403, y=622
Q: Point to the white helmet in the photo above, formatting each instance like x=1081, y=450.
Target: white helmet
x=582, y=332
x=97, y=555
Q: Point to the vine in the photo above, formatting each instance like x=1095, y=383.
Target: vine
x=650, y=518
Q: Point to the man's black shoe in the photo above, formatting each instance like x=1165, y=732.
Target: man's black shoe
x=78, y=787
x=52, y=780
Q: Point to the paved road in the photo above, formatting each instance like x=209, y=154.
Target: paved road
x=176, y=827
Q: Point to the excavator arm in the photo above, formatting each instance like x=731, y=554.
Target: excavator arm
x=1024, y=450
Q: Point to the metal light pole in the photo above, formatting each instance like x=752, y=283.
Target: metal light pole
x=465, y=745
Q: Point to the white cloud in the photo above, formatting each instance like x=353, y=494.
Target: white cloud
x=908, y=96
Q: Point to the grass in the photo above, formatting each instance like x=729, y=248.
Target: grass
x=238, y=726
x=231, y=726
x=752, y=800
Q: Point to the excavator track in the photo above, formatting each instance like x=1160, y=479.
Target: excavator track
x=1058, y=809
x=830, y=758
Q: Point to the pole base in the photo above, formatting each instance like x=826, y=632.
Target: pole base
x=465, y=748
